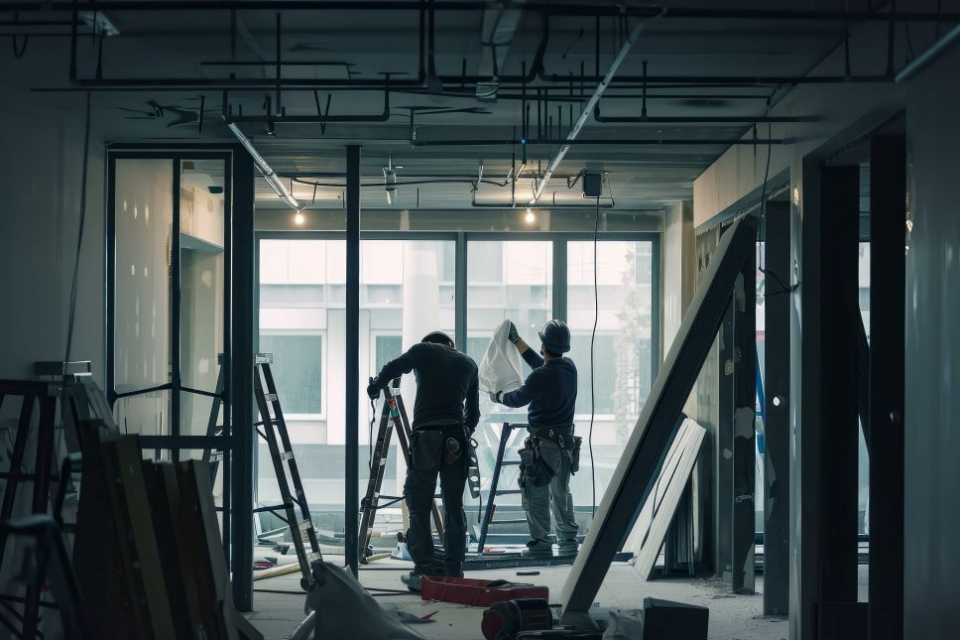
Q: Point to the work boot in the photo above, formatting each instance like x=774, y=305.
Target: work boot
x=539, y=549
x=413, y=580
x=453, y=569
x=567, y=548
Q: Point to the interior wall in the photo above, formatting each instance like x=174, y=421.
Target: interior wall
x=41, y=157
x=932, y=421
x=679, y=268
x=739, y=172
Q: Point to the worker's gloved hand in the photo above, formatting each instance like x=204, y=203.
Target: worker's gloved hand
x=513, y=336
x=373, y=389
x=496, y=396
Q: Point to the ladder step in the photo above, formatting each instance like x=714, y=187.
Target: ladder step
x=508, y=492
x=510, y=463
x=286, y=455
x=264, y=358
x=276, y=507
x=270, y=397
x=522, y=521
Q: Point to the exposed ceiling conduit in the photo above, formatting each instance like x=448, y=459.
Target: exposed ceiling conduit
x=591, y=104
x=582, y=9
x=668, y=142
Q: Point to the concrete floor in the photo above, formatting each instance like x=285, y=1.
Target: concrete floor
x=732, y=617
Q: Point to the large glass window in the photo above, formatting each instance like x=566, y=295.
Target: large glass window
x=506, y=280
x=623, y=363
x=302, y=325
x=407, y=291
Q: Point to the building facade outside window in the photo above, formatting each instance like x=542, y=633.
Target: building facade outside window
x=407, y=290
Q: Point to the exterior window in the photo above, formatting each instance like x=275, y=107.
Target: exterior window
x=622, y=353
x=387, y=348
x=297, y=371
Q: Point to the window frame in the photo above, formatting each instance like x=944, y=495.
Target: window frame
x=322, y=334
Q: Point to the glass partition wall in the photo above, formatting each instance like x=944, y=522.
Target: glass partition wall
x=167, y=297
x=465, y=284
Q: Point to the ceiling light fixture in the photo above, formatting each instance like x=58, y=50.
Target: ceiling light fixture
x=268, y=173
x=531, y=217
x=298, y=219
x=390, y=179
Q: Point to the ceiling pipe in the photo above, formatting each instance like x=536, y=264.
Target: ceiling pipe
x=591, y=104
x=697, y=119
x=271, y=119
x=604, y=142
x=583, y=9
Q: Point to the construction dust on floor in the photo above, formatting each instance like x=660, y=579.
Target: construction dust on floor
x=278, y=602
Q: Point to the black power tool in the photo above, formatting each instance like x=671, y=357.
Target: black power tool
x=504, y=620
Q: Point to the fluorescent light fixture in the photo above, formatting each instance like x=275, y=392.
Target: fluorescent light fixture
x=268, y=174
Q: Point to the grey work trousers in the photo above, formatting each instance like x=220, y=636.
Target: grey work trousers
x=538, y=501
x=418, y=491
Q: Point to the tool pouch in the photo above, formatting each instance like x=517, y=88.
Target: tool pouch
x=575, y=455
x=533, y=469
x=426, y=449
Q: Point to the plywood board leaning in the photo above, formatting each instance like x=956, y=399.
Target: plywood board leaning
x=125, y=453
x=650, y=529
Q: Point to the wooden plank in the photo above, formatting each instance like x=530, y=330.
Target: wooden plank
x=199, y=525
x=113, y=606
x=181, y=590
x=125, y=452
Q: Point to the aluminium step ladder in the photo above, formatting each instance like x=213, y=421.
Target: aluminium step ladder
x=392, y=418
x=274, y=431
x=495, y=491
x=212, y=456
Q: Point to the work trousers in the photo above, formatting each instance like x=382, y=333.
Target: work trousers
x=419, y=490
x=538, y=501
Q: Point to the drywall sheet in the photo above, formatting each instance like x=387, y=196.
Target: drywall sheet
x=650, y=529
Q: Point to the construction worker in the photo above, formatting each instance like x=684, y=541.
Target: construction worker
x=445, y=416
x=551, y=452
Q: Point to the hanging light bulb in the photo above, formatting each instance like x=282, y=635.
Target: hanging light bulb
x=531, y=217
x=298, y=219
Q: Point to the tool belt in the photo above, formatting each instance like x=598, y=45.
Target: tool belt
x=564, y=438
x=432, y=446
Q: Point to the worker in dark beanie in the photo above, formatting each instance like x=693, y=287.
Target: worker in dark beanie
x=445, y=416
x=551, y=453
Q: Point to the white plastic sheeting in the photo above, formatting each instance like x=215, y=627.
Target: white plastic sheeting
x=501, y=368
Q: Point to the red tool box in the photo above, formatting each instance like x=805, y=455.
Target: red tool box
x=478, y=593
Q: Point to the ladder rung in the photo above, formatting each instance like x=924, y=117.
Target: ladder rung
x=276, y=507
x=508, y=492
x=264, y=358
x=286, y=455
x=507, y=521
x=510, y=463
x=270, y=397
